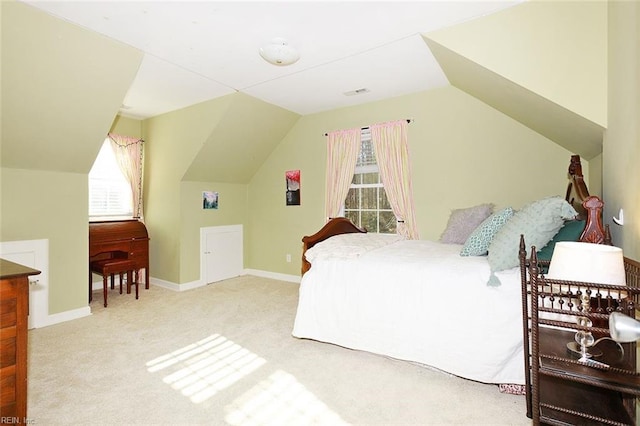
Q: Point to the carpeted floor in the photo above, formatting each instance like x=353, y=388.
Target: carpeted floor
x=224, y=355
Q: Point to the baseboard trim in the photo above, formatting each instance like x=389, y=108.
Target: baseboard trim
x=97, y=286
x=200, y=283
x=65, y=316
x=174, y=286
x=273, y=275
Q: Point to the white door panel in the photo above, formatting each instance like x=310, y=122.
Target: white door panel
x=222, y=253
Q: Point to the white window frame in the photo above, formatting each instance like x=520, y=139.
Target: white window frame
x=110, y=195
x=364, y=169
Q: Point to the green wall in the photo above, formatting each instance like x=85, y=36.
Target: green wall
x=463, y=153
x=51, y=205
x=213, y=146
x=58, y=102
x=173, y=141
x=127, y=126
x=621, y=147
x=232, y=210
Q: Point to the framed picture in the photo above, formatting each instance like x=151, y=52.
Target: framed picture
x=292, y=178
x=209, y=200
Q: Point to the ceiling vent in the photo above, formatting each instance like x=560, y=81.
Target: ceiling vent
x=357, y=92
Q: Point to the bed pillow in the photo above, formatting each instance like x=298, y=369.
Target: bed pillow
x=478, y=242
x=539, y=222
x=462, y=222
x=570, y=231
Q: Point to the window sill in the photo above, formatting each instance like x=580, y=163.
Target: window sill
x=110, y=218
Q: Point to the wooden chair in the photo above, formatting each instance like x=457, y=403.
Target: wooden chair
x=108, y=268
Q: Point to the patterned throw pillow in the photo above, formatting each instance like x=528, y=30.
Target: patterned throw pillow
x=462, y=222
x=538, y=222
x=478, y=242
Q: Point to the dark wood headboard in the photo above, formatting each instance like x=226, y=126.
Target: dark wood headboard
x=335, y=226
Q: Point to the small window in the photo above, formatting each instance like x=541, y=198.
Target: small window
x=366, y=204
x=109, y=192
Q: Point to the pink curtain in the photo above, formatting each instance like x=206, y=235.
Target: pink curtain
x=343, y=147
x=392, y=154
x=129, y=155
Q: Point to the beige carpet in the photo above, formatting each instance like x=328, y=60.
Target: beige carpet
x=224, y=355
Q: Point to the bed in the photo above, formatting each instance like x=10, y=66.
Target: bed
x=422, y=301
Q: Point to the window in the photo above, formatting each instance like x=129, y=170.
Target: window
x=109, y=191
x=366, y=204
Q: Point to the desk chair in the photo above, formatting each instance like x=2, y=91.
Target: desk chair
x=108, y=268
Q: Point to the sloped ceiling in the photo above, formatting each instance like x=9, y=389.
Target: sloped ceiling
x=241, y=142
x=62, y=87
x=197, y=50
x=555, y=122
x=541, y=63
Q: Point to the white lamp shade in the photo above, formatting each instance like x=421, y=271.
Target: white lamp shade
x=587, y=262
x=623, y=328
x=278, y=52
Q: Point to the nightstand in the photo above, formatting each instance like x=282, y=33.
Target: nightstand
x=561, y=390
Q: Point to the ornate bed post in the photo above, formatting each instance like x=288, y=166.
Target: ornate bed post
x=576, y=189
x=593, y=231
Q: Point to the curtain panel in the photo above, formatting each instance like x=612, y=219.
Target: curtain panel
x=343, y=147
x=391, y=146
x=129, y=154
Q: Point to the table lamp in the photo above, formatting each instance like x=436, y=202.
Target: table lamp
x=591, y=263
x=623, y=328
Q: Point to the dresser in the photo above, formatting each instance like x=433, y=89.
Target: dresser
x=14, y=311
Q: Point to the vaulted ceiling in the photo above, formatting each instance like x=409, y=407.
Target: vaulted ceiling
x=67, y=72
x=199, y=50
x=542, y=63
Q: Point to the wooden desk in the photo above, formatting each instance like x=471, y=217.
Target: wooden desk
x=14, y=311
x=120, y=238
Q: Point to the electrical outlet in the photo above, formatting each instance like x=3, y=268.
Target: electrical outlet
x=289, y=258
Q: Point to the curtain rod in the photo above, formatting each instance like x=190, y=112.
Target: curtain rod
x=365, y=128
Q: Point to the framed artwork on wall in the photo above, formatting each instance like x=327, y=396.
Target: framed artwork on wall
x=209, y=200
x=292, y=178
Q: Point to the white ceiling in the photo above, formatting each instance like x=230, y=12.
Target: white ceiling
x=201, y=50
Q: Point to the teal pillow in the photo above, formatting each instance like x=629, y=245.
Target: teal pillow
x=539, y=222
x=570, y=231
x=478, y=242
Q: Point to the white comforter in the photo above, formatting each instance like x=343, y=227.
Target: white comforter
x=415, y=300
